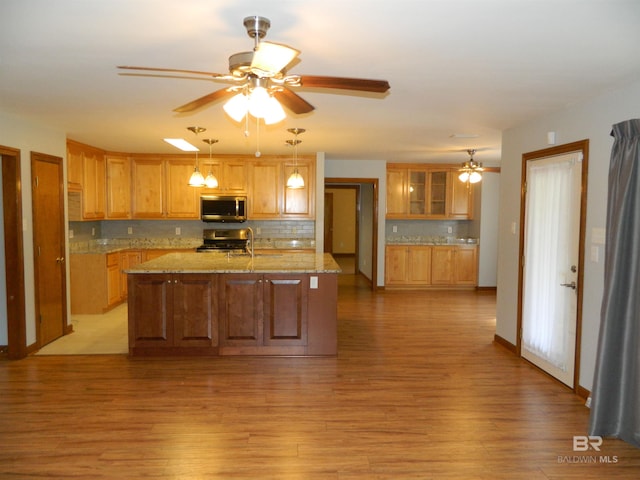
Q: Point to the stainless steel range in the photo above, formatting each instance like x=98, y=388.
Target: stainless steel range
x=215, y=240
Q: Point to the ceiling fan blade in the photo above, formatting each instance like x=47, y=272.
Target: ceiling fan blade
x=172, y=70
x=202, y=101
x=270, y=58
x=360, y=84
x=293, y=101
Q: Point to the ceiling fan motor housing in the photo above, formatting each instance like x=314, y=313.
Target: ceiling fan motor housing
x=256, y=26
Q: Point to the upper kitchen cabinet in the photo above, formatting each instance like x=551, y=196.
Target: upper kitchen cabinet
x=423, y=191
x=86, y=174
x=231, y=174
x=269, y=197
x=148, y=187
x=299, y=202
x=160, y=188
x=182, y=199
x=118, y=186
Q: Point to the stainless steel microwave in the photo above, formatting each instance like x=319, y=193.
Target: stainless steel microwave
x=216, y=208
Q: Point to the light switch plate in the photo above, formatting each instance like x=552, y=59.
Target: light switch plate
x=313, y=282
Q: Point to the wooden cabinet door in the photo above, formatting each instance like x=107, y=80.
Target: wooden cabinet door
x=299, y=202
x=417, y=192
x=461, y=198
x=285, y=309
x=396, y=264
x=182, y=199
x=397, y=193
x=128, y=259
x=240, y=309
x=437, y=201
x=150, y=309
x=234, y=176
x=466, y=265
x=442, y=265
x=265, y=187
x=419, y=265
x=118, y=187
x=147, y=177
x=93, y=185
x=74, y=166
x=113, y=279
x=195, y=310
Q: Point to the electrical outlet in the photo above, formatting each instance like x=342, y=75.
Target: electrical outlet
x=93, y=231
x=258, y=230
x=449, y=230
x=313, y=282
x=395, y=229
x=178, y=231
x=70, y=233
x=129, y=230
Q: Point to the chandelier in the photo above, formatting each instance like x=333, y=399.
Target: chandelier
x=295, y=180
x=471, y=170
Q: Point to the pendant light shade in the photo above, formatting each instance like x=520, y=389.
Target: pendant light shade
x=210, y=181
x=295, y=180
x=196, y=179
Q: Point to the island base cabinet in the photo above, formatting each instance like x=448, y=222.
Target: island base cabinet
x=172, y=313
x=233, y=314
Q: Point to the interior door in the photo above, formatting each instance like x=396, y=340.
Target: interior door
x=551, y=263
x=49, y=247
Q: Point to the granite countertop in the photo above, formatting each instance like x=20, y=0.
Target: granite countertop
x=219, y=262
x=104, y=246
x=430, y=240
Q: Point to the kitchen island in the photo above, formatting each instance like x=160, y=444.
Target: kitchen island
x=233, y=304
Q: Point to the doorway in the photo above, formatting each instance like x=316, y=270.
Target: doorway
x=551, y=249
x=47, y=187
x=13, y=253
x=366, y=219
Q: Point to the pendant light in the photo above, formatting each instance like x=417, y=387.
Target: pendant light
x=295, y=180
x=211, y=181
x=196, y=179
x=471, y=170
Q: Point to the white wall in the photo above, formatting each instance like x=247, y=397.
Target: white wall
x=29, y=137
x=365, y=169
x=489, y=211
x=589, y=120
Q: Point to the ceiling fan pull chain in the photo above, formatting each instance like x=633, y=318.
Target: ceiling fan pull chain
x=258, y=153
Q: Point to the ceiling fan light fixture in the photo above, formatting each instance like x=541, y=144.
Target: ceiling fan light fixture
x=274, y=112
x=471, y=170
x=237, y=107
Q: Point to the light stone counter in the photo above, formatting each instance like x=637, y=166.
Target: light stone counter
x=218, y=262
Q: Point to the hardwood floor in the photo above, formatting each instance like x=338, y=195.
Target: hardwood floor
x=417, y=391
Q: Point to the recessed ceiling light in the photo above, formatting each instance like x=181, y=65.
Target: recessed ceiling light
x=182, y=144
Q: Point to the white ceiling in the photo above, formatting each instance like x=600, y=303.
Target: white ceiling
x=455, y=67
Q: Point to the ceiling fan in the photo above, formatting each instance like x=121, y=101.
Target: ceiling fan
x=264, y=70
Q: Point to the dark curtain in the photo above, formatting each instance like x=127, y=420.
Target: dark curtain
x=615, y=400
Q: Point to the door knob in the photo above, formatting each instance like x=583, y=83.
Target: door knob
x=571, y=285
x=60, y=259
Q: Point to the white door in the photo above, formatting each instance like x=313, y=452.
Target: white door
x=551, y=263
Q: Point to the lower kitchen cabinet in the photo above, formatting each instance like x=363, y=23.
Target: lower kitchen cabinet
x=408, y=265
x=263, y=310
x=232, y=314
x=179, y=310
x=422, y=266
x=95, y=282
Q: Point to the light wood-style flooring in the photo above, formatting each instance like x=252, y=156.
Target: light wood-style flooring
x=417, y=391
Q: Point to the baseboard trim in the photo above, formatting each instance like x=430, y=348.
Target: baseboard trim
x=505, y=343
x=582, y=392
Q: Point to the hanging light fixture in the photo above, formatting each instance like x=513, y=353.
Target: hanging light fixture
x=257, y=100
x=196, y=179
x=295, y=180
x=471, y=170
x=210, y=181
